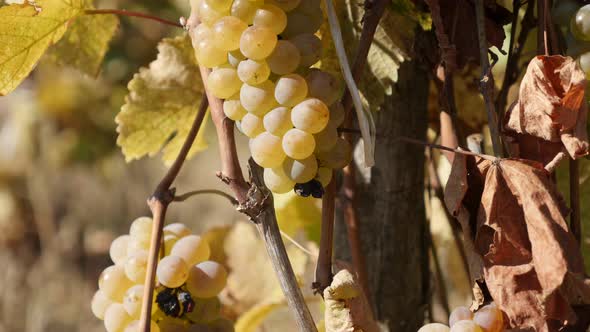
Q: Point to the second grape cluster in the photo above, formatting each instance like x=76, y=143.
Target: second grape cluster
x=261, y=53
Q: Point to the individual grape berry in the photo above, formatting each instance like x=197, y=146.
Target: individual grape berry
x=206, y=279
x=326, y=139
x=286, y=5
x=141, y=229
x=116, y=318
x=169, y=242
x=118, y=249
x=253, y=72
x=298, y=144
x=309, y=7
x=245, y=9
x=465, y=326
x=285, y=58
x=266, y=150
x=219, y=5
x=311, y=115
x=205, y=310
x=310, y=48
x=278, y=121
x=208, y=54
x=172, y=271
x=134, y=327
x=434, y=327
x=192, y=249
x=272, y=17
x=337, y=157
x=200, y=32
x=489, y=318
x=99, y=304
x=251, y=125
x=460, y=313
x=136, y=266
x=323, y=86
x=137, y=245
x=223, y=82
x=585, y=64
x=311, y=188
x=227, y=32
x=258, y=99
x=290, y=90
x=581, y=23
x=300, y=171
x=209, y=15
x=234, y=58
x=257, y=42
x=233, y=109
x=300, y=23
x=114, y=283
x=324, y=176
x=132, y=301
x=337, y=115
x=277, y=181
x=178, y=229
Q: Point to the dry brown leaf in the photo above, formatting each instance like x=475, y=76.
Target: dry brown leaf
x=551, y=106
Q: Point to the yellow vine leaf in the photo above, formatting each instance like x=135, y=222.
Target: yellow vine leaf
x=161, y=105
x=85, y=43
x=296, y=214
x=26, y=31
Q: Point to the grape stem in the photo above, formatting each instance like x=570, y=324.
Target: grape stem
x=158, y=203
x=323, y=272
x=123, y=12
x=185, y=196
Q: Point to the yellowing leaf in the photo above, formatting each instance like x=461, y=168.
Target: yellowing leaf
x=161, y=105
x=296, y=213
x=249, y=321
x=85, y=43
x=26, y=32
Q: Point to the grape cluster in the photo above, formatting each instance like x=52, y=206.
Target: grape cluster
x=185, y=298
x=261, y=53
x=487, y=319
x=580, y=27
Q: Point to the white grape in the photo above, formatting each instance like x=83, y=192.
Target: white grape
x=245, y=9
x=284, y=59
x=272, y=17
x=136, y=266
x=114, y=283
x=206, y=279
x=132, y=301
x=337, y=157
x=118, y=249
x=465, y=326
x=298, y=144
x=172, y=271
x=581, y=23
x=209, y=15
x=323, y=86
x=278, y=121
x=460, y=313
x=137, y=245
x=223, y=82
x=310, y=48
x=192, y=249
x=434, y=327
x=299, y=22
x=169, y=242
x=277, y=181
x=99, y=304
x=257, y=42
x=235, y=57
x=489, y=318
x=208, y=54
x=178, y=229
x=219, y=5
x=141, y=229
x=116, y=318
x=200, y=32
x=227, y=32
x=253, y=72
x=311, y=115
x=258, y=99
x=266, y=150
x=251, y=125
x=300, y=171
x=233, y=109
x=290, y=90
x=134, y=327
x=324, y=176
x=585, y=64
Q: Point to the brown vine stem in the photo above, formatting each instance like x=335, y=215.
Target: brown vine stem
x=446, y=148
x=158, y=204
x=185, y=196
x=323, y=272
x=255, y=201
x=123, y=12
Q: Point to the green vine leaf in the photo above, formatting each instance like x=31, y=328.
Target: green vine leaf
x=85, y=43
x=161, y=105
x=26, y=31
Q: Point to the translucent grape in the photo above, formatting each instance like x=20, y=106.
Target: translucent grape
x=258, y=99
x=132, y=301
x=172, y=271
x=272, y=17
x=169, y=242
x=337, y=157
x=219, y=5
x=253, y=72
x=290, y=90
x=141, y=229
x=326, y=139
x=178, y=229
x=324, y=176
x=266, y=150
x=460, y=313
x=233, y=109
x=311, y=115
x=223, y=82
x=300, y=23
x=337, y=115
x=581, y=23
x=285, y=5
x=284, y=59
x=134, y=327
x=136, y=266
x=206, y=279
x=99, y=304
x=277, y=181
x=200, y=32
x=489, y=318
x=192, y=249
x=585, y=64
x=206, y=310
x=323, y=86
x=298, y=144
x=278, y=121
x=251, y=125
x=235, y=57
x=208, y=54
x=227, y=32
x=310, y=48
x=434, y=327
x=136, y=245
x=209, y=15
x=245, y=9
x=114, y=283
x=465, y=326
x=257, y=42
x=300, y=171
x=116, y=318
x=118, y=249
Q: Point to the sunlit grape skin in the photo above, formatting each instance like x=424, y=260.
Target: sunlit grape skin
x=465, y=326
x=172, y=271
x=209, y=15
x=227, y=32
x=114, y=283
x=223, y=82
x=290, y=90
x=257, y=42
x=458, y=314
x=258, y=99
x=434, y=327
x=219, y=5
x=272, y=17
x=233, y=109
x=208, y=54
x=285, y=58
x=298, y=144
x=252, y=125
x=278, y=121
x=277, y=181
x=132, y=301
x=581, y=23
x=178, y=229
x=584, y=61
x=253, y=72
x=311, y=115
x=141, y=229
x=300, y=171
x=206, y=279
x=266, y=150
x=118, y=249
x=136, y=266
x=245, y=9
x=116, y=318
x=489, y=318
x=192, y=249
x=99, y=304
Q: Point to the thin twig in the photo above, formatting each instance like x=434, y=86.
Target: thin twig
x=575, y=224
x=323, y=272
x=185, y=196
x=446, y=148
x=158, y=204
x=123, y=12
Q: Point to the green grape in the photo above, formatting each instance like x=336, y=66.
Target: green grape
x=141, y=229
x=298, y=144
x=266, y=150
x=118, y=249
x=169, y=242
x=337, y=115
x=192, y=249
x=278, y=121
x=300, y=171
x=324, y=176
x=284, y=59
x=114, y=283
x=132, y=301
x=136, y=245
x=337, y=157
x=581, y=23
x=134, y=327
x=206, y=279
x=116, y=318
x=227, y=32
x=285, y=5
x=290, y=90
x=584, y=61
x=489, y=318
x=99, y=304
x=465, y=326
x=251, y=125
x=258, y=99
x=460, y=313
x=310, y=48
x=136, y=266
x=235, y=57
x=223, y=82
x=434, y=327
x=257, y=42
x=208, y=54
x=208, y=15
x=178, y=229
x=219, y=5
x=272, y=17
x=172, y=271
x=299, y=23
x=326, y=139
x=200, y=32
x=277, y=181
x=311, y=115
x=245, y=9
x=205, y=311
x=233, y=109
x=253, y=72
x=323, y=86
